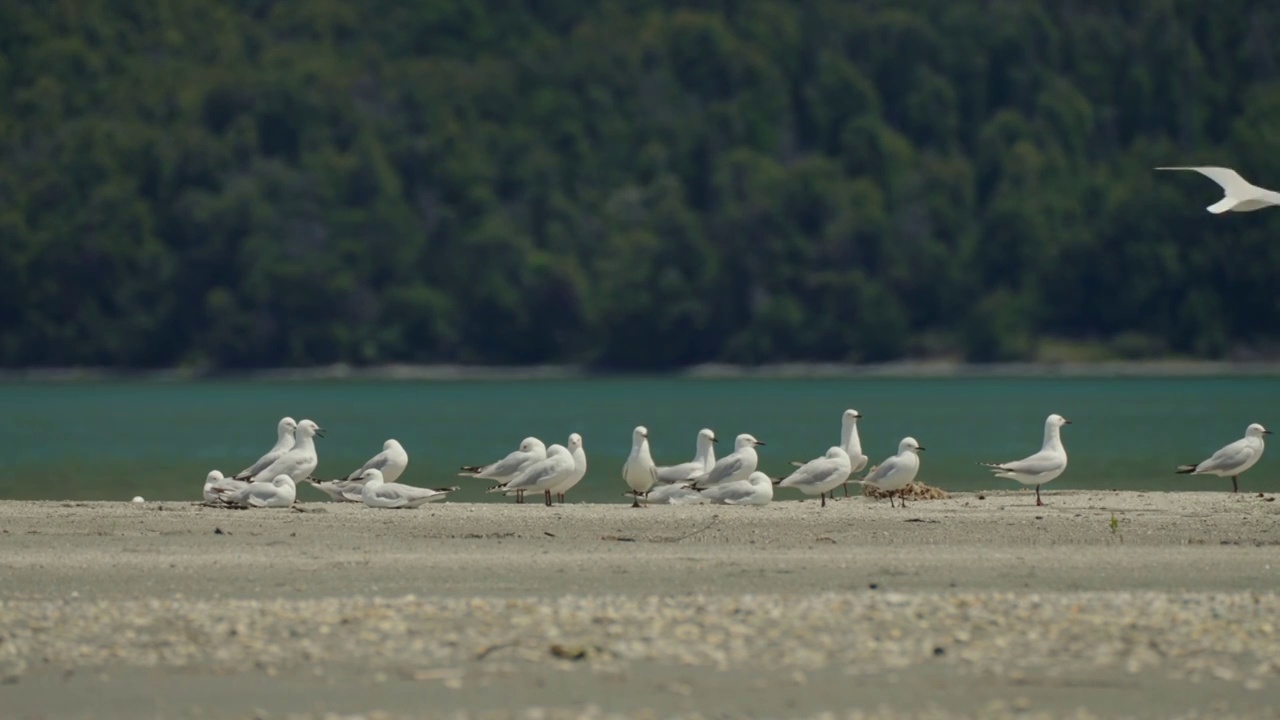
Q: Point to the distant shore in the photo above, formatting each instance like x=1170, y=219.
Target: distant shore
x=709, y=371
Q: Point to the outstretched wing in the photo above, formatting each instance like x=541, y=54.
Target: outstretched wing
x=1228, y=179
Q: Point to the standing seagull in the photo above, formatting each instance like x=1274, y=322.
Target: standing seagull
x=896, y=473
x=1233, y=459
x=1239, y=195
x=703, y=460
x=543, y=475
x=301, y=459
x=639, y=472
x=531, y=450
x=850, y=443
x=579, y=468
x=284, y=441
x=1042, y=467
x=378, y=493
x=737, y=465
x=820, y=475
x=391, y=462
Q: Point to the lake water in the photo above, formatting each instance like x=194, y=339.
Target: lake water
x=114, y=440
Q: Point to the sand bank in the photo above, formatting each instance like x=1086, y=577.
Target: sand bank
x=965, y=607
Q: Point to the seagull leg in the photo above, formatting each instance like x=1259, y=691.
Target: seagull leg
x=547, y=495
x=902, y=498
x=890, y=499
x=560, y=497
x=635, y=501
x=823, y=497
x=1039, y=503
x=519, y=497
x=1235, y=485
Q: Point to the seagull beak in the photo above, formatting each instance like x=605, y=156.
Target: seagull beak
x=759, y=442
x=715, y=439
x=858, y=415
x=919, y=449
x=319, y=432
x=1266, y=432
x=1066, y=421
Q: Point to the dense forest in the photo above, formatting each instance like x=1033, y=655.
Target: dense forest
x=632, y=185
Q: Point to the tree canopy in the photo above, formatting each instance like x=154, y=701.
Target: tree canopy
x=631, y=185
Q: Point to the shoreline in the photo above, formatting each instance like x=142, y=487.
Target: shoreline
x=709, y=371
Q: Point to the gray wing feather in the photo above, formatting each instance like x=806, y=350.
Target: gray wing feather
x=1037, y=464
x=1232, y=456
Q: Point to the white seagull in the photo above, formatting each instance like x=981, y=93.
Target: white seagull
x=279, y=492
x=897, y=472
x=1233, y=459
x=542, y=475
x=703, y=460
x=378, y=493
x=284, y=441
x=756, y=489
x=638, y=471
x=821, y=475
x=1042, y=467
x=679, y=493
x=1239, y=195
x=391, y=462
x=215, y=480
x=737, y=465
x=579, y=468
x=850, y=443
x=531, y=450
x=300, y=460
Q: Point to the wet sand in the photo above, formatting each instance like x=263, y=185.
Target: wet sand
x=981, y=605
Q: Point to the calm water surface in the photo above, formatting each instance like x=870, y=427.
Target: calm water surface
x=114, y=440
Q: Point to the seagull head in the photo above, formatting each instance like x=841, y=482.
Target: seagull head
x=909, y=444
x=1256, y=430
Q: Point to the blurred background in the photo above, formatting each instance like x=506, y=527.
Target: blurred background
x=632, y=186
x=629, y=186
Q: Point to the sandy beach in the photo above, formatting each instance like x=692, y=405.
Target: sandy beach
x=982, y=605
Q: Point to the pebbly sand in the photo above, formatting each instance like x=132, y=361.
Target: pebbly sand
x=976, y=606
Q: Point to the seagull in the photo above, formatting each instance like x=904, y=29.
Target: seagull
x=214, y=480
x=278, y=493
x=1239, y=195
x=737, y=465
x=679, y=493
x=703, y=460
x=850, y=443
x=378, y=493
x=1233, y=459
x=300, y=460
x=579, y=468
x=897, y=472
x=391, y=462
x=821, y=475
x=531, y=450
x=284, y=441
x=542, y=475
x=1042, y=467
x=756, y=489
x=638, y=471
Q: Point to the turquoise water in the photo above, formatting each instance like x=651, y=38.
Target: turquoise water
x=114, y=440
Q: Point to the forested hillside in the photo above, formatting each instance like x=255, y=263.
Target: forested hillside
x=639, y=184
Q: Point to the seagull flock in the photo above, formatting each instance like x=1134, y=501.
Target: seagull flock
x=554, y=470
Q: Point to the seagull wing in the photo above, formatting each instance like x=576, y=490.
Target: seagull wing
x=1228, y=458
x=1042, y=462
x=1228, y=179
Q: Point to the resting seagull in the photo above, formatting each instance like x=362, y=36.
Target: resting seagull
x=1233, y=459
x=1042, y=467
x=378, y=493
x=1239, y=195
x=737, y=465
x=703, y=460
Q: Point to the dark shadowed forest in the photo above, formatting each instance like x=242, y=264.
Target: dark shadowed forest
x=632, y=185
